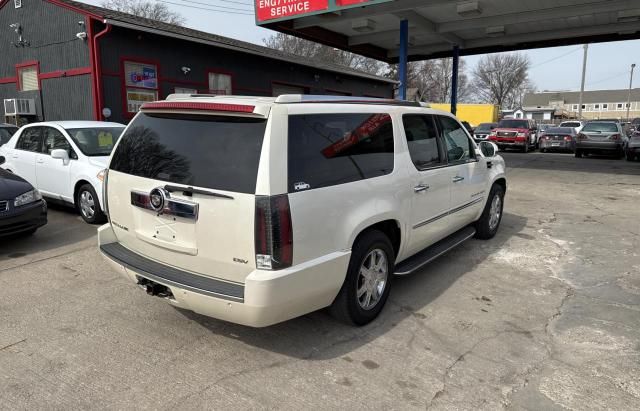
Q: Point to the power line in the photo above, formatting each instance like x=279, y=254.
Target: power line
x=556, y=58
x=250, y=4
x=622, y=73
x=222, y=7
x=204, y=8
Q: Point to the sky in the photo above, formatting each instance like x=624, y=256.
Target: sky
x=558, y=68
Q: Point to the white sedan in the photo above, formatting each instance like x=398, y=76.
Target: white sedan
x=65, y=160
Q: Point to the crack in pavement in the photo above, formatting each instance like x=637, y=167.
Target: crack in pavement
x=12, y=344
x=46, y=258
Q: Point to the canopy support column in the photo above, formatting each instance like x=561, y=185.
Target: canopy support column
x=454, y=80
x=402, y=62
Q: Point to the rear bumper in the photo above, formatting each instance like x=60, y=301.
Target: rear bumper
x=266, y=297
x=556, y=145
x=509, y=143
x=633, y=149
x=599, y=146
x=24, y=219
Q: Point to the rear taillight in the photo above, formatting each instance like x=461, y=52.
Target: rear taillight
x=105, y=199
x=273, y=232
x=614, y=137
x=567, y=138
x=582, y=137
x=546, y=138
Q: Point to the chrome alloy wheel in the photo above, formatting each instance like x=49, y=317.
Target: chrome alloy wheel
x=495, y=212
x=87, y=205
x=372, y=279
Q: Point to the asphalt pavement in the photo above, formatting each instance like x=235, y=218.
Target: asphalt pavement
x=543, y=317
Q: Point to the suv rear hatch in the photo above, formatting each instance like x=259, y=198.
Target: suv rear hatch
x=181, y=186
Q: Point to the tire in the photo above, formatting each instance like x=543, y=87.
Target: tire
x=348, y=307
x=486, y=226
x=578, y=153
x=543, y=150
x=526, y=147
x=628, y=156
x=88, y=205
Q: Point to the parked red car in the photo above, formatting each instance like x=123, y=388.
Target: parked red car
x=515, y=133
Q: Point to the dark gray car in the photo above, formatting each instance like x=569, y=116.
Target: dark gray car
x=6, y=131
x=558, y=139
x=601, y=137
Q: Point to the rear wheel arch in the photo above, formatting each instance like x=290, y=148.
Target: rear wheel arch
x=390, y=228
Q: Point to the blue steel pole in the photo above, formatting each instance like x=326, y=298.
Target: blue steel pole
x=454, y=80
x=402, y=63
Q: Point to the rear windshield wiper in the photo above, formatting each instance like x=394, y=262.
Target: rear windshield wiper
x=190, y=191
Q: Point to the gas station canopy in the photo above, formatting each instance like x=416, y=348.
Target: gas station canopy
x=442, y=28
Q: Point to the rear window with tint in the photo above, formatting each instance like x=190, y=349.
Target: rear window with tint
x=570, y=124
x=600, y=127
x=561, y=130
x=331, y=149
x=216, y=152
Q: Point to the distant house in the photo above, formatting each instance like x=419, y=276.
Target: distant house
x=540, y=114
x=597, y=104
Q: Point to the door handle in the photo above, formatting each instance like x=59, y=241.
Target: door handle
x=457, y=179
x=420, y=188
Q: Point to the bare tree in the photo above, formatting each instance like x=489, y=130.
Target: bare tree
x=516, y=98
x=435, y=79
x=432, y=80
x=147, y=9
x=499, y=78
x=320, y=52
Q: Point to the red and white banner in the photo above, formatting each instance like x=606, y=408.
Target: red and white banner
x=276, y=9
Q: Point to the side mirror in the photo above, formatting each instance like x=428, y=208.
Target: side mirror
x=60, y=154
x=488, y=148
x=2, y=160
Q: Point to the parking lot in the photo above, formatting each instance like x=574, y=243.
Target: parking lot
x=544, y=316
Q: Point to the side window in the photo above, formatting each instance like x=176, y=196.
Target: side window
x=422, y=139
x=30, y=140
x=459, y=148
x=53, y=139
x=331, y=149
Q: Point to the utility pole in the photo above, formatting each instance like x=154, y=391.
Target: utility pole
x=584, y=74
x=629, y=97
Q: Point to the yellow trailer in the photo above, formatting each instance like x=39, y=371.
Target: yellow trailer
x=472, y=113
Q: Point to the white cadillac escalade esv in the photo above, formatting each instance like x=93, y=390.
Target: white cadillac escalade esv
x=258, y=210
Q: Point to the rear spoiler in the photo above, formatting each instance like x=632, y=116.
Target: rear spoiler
x=198, y=106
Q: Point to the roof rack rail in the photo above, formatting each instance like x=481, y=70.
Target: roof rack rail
x=309, y=98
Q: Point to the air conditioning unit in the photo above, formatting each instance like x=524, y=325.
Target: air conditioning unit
x=19, y=107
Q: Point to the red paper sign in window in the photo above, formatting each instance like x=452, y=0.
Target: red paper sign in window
x=363, y=131
x=275, y=9
x=350, y=2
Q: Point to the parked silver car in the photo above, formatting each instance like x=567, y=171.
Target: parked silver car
x=632, y=151
x=601, y=137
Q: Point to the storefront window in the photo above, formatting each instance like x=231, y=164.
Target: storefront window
x=141, y=82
